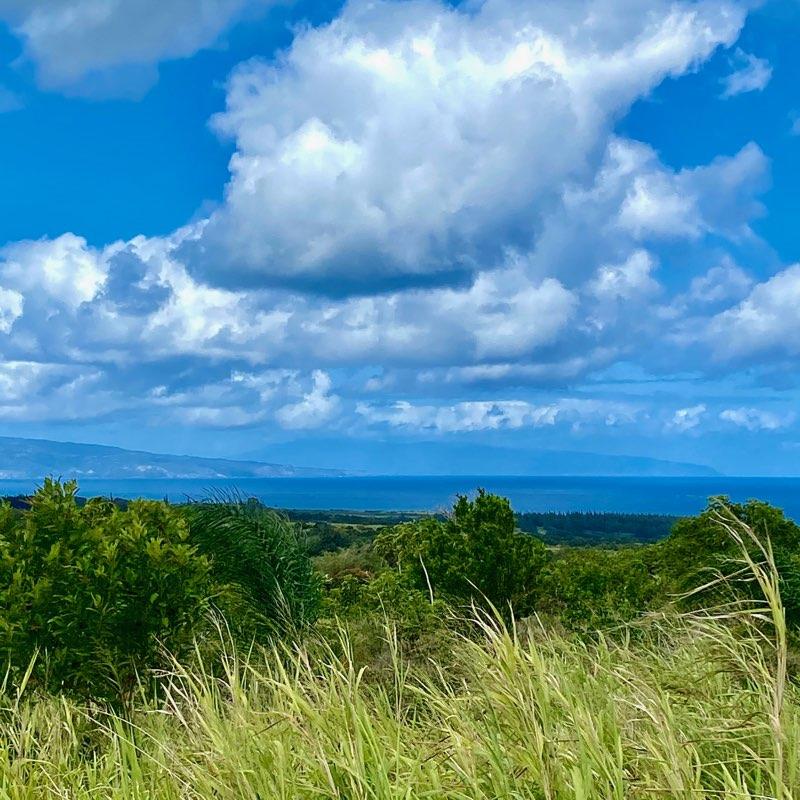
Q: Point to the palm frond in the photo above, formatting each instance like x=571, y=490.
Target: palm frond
x=260, y=557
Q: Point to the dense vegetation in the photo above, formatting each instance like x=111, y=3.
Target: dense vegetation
x=582, y=528
x=89, y=593
x=198, y=652
x=330, y=530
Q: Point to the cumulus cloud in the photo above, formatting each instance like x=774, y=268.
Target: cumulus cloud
x=751, y=74
x=65, y=270
x=625, y=281
x=114, y=43
x=410, y=143
x=686, y=419
x=36, y=391
x=316, y=408
x=766, y=322
x=135, y=299
x=755, y=419
x=725, y=282
x=620, y=212
x=431, y=193
x=11, y=304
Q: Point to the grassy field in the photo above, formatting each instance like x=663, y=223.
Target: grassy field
x=677, y=707
x=690, y=710
x=698, y=703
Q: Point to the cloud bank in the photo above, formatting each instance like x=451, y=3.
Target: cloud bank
x=431, y=224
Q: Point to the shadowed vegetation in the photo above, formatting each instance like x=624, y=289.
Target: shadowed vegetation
x=267, y=585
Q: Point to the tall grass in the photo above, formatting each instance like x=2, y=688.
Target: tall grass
x=692, y=706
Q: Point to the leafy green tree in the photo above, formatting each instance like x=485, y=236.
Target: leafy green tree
x=699, y=548
x=93, y=595
x=475, y=554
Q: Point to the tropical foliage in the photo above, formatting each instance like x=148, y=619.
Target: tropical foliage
x=199, y=652
x=693, y=707
x=267, y=584
x=91, y=596
x=475, y=555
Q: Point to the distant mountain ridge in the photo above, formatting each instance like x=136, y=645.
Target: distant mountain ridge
x=36, y=458
x=375, y=457
x=22, y=459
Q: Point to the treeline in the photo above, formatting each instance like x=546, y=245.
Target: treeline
x=330, y=529
x=327, y=531
x=354, y=517
x=589, y=528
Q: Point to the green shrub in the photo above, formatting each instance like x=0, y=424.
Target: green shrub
x=698, y=549
x=95, y=594
x=360, y=561
x=388, y=597
x=475, y=555
x=383, y=617
x=589, y=588
x=259, y=558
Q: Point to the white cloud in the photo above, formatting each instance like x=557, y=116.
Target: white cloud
x=246, y=399
x=11, y=305
x=766, y=321
x=482, y=415
x=559, y=369
x=35, y=391
x=752, y=74
x=20, y=381
x=65, y=270
x=135, y=301
x=505, y=312
x=625, y=281
x=218, y=417
x=715, y=198
x=686, y=419
x=655, y=206
x=316, y=408
x=724, y=283
x=431, y=190
x=755, y=419
x=119, y=40
x=607, y=221
x=406, y=142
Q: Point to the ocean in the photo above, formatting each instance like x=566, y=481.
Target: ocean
x=678, y=496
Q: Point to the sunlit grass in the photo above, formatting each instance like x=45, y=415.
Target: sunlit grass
x=691, y=706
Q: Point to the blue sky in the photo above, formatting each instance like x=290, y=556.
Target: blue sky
x=256, y=225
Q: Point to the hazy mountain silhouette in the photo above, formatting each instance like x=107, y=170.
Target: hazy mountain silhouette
x=35, y=458
x=367, y=456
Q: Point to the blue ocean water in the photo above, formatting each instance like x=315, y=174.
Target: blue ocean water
x=633, y=495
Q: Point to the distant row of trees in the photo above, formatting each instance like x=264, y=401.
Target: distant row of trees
x=579, y=528
x=330, y=530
